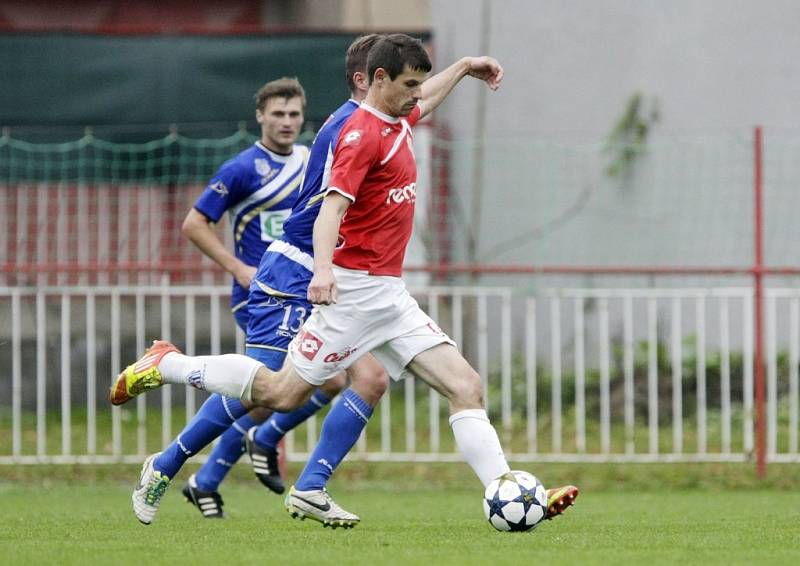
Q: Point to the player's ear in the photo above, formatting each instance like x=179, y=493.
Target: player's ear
x=360, y=80
x=380, y=75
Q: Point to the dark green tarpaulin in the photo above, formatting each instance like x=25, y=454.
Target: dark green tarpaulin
x=62, y=80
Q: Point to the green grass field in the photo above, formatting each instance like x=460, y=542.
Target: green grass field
x=410, y=515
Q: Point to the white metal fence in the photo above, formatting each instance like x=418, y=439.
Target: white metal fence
x=570, y=375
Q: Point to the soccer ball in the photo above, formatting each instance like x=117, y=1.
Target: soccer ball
x=516, y=501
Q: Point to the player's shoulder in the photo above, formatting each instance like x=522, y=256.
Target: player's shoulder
x=246, y=157
x=338, y=119
x=300, y=150
x=361, y=124
x=241, y=162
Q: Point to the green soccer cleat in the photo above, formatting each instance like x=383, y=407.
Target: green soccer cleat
x=559, y=498
x=142, y=375
x=148, y=492
x=317, y=504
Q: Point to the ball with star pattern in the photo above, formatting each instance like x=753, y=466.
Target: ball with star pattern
x=516, y=501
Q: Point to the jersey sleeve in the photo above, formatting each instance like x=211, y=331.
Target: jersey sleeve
x=220, y=193
x=354, y=155
x=413, y=118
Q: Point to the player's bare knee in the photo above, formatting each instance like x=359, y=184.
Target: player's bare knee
x=370, y=385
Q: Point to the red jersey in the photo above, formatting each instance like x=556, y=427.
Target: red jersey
x=374, y=166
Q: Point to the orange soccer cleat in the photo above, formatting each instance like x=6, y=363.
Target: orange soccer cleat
x=559, y=498
x=142, y=375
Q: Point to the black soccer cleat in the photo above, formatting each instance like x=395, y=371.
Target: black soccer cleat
x=209, y=503
x=265, y=463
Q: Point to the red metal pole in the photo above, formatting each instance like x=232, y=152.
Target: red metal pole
x=758, y=280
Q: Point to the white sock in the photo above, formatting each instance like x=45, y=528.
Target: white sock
x=229, y=374
x=478, y=442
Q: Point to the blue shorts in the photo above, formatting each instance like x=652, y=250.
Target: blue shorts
x=274, y=322
x=273, y=359
x=277, y=305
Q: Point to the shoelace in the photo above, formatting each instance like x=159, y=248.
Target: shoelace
x=155, y=492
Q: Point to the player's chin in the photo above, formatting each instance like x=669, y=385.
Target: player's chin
x=407, y=109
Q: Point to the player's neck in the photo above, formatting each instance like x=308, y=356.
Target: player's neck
x=372, y=99
x=280, y=149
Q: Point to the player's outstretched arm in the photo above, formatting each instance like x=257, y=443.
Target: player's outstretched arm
x=437, y=87
x=198, y=229
x=322, y=289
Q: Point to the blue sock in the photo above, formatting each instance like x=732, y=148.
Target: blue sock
x=270, y=433
x=213, y=418
x=340, y=431
x=224, y=455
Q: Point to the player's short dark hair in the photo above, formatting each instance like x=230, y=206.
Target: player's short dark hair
x=393, y=52
x=356, y=58
x=285, y=87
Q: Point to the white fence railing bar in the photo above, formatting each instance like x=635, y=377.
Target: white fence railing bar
x=586, y=375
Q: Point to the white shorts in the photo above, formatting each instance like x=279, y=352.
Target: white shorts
x=372, y=314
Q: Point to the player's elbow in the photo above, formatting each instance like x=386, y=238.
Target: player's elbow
x=193, y=222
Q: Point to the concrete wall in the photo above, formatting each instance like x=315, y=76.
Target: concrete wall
x=716, y=68
x=571, y=64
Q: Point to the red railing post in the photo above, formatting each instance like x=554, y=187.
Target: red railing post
x=758, y=280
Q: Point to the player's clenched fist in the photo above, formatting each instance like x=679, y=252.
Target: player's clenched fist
x=322, y=289
x=487, y=69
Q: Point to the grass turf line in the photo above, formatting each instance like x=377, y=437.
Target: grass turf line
x=74, y=523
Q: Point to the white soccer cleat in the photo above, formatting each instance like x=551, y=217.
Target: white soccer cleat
x=317, y=504
x=148, y=492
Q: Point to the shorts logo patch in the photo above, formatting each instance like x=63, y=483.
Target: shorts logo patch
x=308, y=344
x=435, y=329
x=336, y=357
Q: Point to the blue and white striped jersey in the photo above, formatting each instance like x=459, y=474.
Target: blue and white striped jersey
x=257, y=188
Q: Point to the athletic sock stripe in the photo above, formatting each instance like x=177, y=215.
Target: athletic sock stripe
x=227, y=410
x=222, y=462
x=350, y=405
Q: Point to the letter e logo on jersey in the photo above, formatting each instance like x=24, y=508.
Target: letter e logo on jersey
x=353, y=137
x=308, y=344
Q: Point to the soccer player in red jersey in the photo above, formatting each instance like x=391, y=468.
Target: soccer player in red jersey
x=360, y=237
